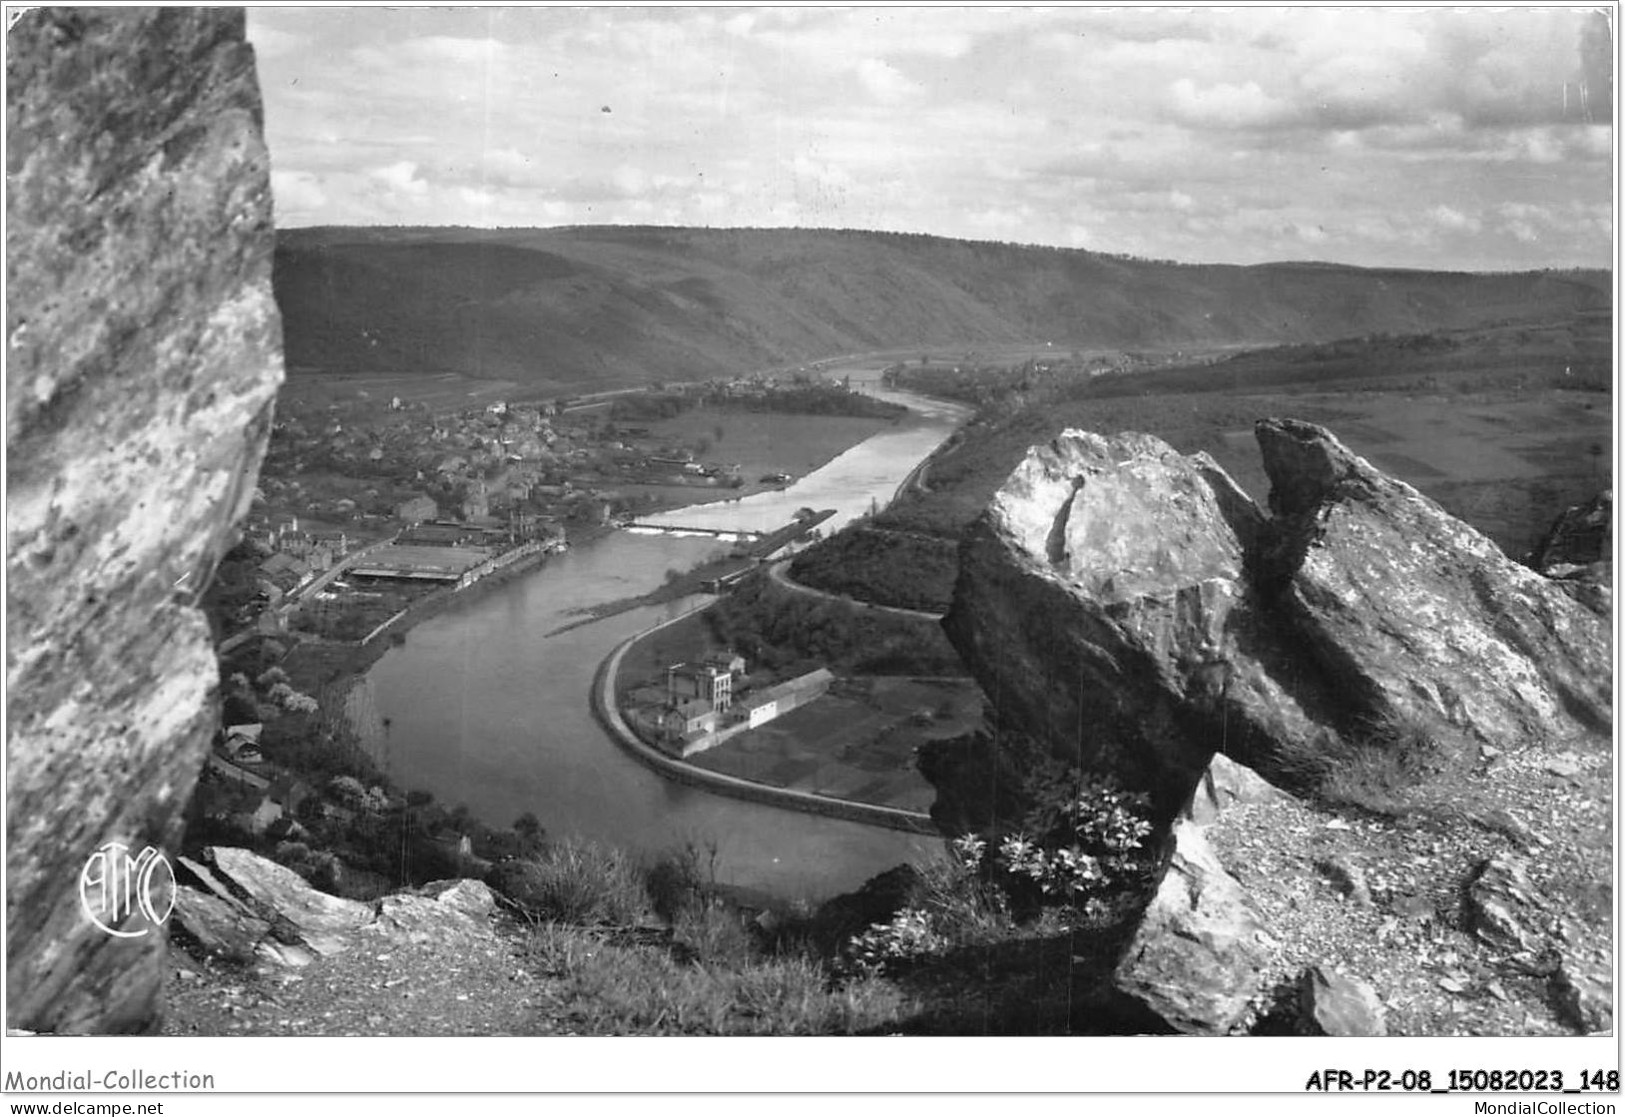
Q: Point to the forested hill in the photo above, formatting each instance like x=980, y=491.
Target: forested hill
x=604, y=306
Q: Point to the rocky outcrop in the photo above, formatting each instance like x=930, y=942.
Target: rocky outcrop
x=1225, y=784
x=144, y=356
x=1579, y=539
x=1578, y=550
x=1414, y=615
x=312, y=921
x=1333, y=1004
x=1130, y=610
x=1196, y=961
x=1102, y=602
x=1502, y=908
x=1134, y=610
x=264, y=913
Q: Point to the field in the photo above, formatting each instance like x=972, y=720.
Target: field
x=1505, y=462
x=857, y=742
x=441, y=392
x=1504, y=428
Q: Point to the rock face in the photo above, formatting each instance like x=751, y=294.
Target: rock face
x=1133, y=609
x=145, y=354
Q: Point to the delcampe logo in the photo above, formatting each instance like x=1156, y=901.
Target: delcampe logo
x=113, y=886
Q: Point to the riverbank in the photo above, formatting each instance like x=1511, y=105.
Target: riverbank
x=329, y=669
x=606, y=711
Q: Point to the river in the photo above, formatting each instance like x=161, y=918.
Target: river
x=482, y=709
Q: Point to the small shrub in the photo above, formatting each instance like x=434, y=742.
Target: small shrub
x=714, y=933
x=347, y=790
x=575, y=882
x=675, y=882
x=907, y=936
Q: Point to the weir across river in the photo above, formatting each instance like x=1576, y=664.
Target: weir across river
x=679, y=529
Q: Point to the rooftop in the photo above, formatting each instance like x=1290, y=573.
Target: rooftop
x=409, y=561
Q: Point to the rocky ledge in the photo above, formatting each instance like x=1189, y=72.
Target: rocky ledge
x=258, y=951
x=1381, y=748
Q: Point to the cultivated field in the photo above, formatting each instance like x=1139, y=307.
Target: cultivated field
x=1504, y=427
x=857, y=742
x=441, y=392
x=1506, y=462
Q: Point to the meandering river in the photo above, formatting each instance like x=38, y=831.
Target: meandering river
x=481, y=708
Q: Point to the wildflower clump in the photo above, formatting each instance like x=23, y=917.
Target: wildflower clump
x=1088, y=843
x=908, y=935
x=1073, y=854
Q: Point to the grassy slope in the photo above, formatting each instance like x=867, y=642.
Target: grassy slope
x=591, y=307
x=1502, y=427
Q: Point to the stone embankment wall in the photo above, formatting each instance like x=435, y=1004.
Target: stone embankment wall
x=506, y=558
x=145, y=352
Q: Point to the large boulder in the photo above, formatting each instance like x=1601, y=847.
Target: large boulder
x=1334, y=1004
x=1104, y=605
x=1418, y=617
x=1196, y=962
x=1132, y=609
x=144, y=355
x=315, y=921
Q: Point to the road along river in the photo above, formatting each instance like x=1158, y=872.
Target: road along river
x=481, y=708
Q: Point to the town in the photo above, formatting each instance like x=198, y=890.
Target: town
x=366, y=506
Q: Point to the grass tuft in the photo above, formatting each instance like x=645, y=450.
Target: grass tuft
x=608, y=989
x=1396, y=766
x=576, y=882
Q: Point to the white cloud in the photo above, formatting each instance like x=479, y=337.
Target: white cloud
x=401, y=180
x=885, y=82
x=630, y=181
x=510, y=167
x=1238, y=134
x=1226, y=105
x=1453, y=220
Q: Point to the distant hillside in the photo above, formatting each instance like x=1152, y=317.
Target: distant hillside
x=602, y=306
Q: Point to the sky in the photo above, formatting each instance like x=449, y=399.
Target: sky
x=1471, y=138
